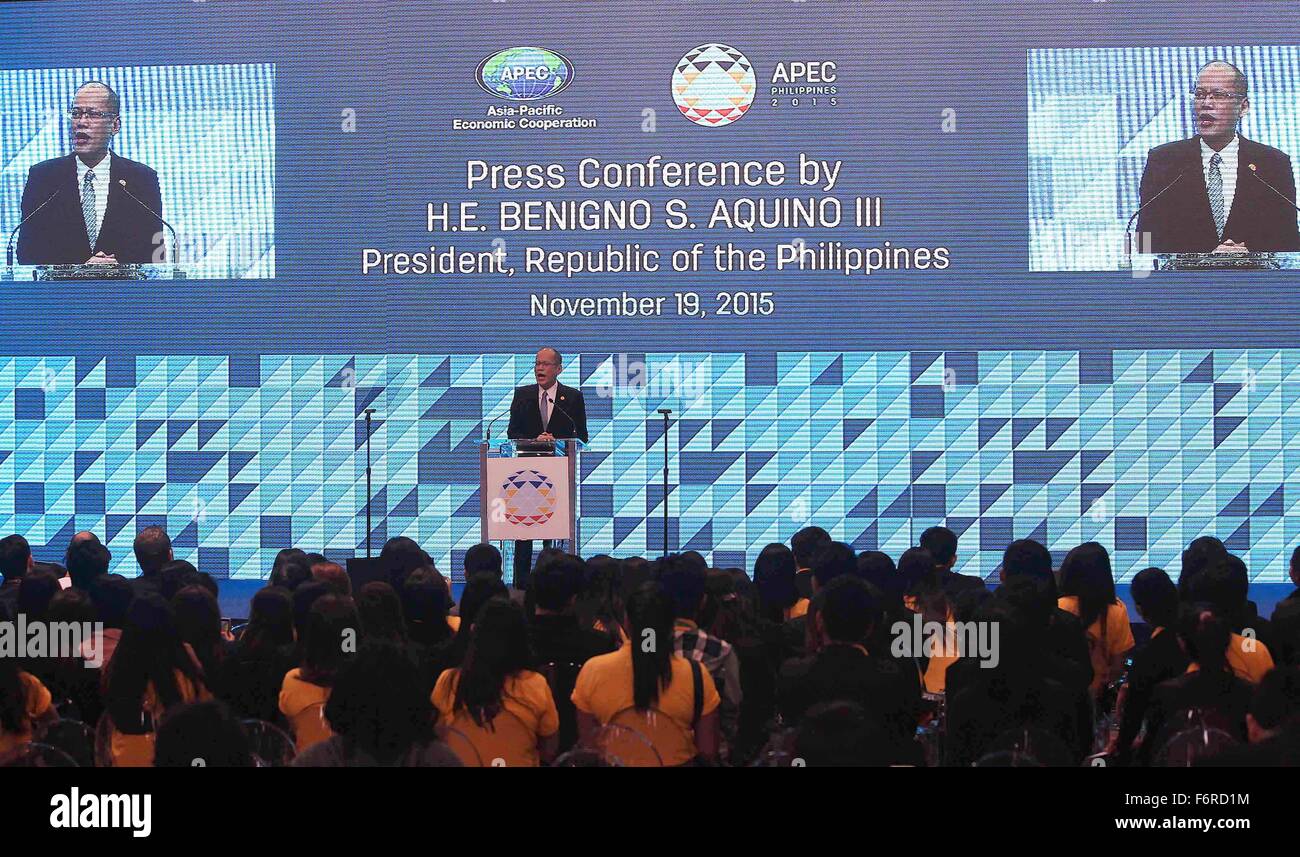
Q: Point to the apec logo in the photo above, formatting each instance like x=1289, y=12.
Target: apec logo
x=524, y=74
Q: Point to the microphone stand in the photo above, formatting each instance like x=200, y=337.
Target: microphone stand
x=665, y=412
x=368, y=412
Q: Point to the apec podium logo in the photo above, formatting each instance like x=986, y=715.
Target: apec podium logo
x=530, y=498
x=714, y=85
x=524, y=74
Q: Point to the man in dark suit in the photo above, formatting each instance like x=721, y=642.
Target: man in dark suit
x=86, y=213
x=545, y=411
x=1216, y=195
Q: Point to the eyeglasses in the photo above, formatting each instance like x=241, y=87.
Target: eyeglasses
x=77, y=112
x=1218, y=96
x=546, y=363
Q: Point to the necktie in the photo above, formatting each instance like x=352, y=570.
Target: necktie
x=1214, y=186
x=546, y=410
x=88, y=207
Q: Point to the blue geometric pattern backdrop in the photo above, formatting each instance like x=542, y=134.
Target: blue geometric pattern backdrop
x=207, y=130
x=241, y=456
x=1094, y=113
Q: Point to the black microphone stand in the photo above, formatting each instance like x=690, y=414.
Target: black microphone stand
x=368, y=412
x=665, y=412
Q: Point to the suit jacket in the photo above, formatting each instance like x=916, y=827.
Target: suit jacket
x=1180, y=220
x=568, y=414
x=57, y=235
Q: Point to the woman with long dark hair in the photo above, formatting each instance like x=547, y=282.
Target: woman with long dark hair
x=251, y=677
x=480, y=589
x=647, y=674
x=494, y=691
x=152, y=670
x=1088, y=591
x=599, y=605
x=425, y=605
x=381, y=613
x=1161, y=659
x=24, y=702
x=332, y=635
x=198, y=619
x=923, y=594
x=380, y=714
x=774, y=572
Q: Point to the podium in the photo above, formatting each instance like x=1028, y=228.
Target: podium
x=1283, y=261
x=528, y=490
x=56, y=273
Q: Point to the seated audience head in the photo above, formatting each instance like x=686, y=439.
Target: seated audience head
x=270, y=621
x=425, y=604
x=205, y=733
x=333, y=576
x=602, y=566
x=774, y=572
x=402, y=556
x=1156, y=598
x=1221, y=583
x=849, y=611
x=650, y=620
x=878, y=569
x=1086, y=575
x=498, y=649
x=683, y=581
x=380, y=609
x=832, y=560
x=1028, y=558
x=15, y=558
x=313, y=558
x=290, y=569
x=1275, y=707
x=333, y=631
x=634, y=571
x=479, y=590
x=920, y=576
x=87, y=560
x=77, y=539
x=804, y=545
x=1294, y=569
x=1200, y=554
x=380, y=706
x=35, y=594
x=153, y=550
x=555, y=586
x=941, y=542
x=1205, y=636
x=175, y=576
x=482, y=559
x=198, y=619
x=840, y=734
x=111, y=594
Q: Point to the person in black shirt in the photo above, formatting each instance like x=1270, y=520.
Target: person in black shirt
x=843, y=669
x=1161, y=659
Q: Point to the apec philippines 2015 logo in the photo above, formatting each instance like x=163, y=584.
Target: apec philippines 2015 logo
x=524, y=74
x=714, y=85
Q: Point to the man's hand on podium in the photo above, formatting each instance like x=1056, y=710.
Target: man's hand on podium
x=546, y=435
x=1231, y=246
x=102, y=258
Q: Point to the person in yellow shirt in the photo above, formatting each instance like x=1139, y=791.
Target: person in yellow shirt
x=24, y=702
x=152, y=670
x=1088, y=591
x=330, y=637
x=1225, y=584
x=505, y=710
x=779, y=600
x=647, y=673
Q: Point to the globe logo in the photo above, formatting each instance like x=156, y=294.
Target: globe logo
x=529, y=498
x=713, y=85
x=524, y=74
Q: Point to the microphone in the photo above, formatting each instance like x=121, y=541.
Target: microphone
x=550, y=401
x=9, y=250
x=1128, y=240
x=177, y=273
x=1254, y=172
x=493, y=422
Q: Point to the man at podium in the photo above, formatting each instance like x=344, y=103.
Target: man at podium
x=545, y=411
x=1218, y=192
x=80, y=206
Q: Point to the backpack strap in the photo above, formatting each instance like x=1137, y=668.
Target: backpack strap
x=697, y=685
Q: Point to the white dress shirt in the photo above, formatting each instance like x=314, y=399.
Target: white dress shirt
x=1227, y=169
x=100, y=183
x=542, y=403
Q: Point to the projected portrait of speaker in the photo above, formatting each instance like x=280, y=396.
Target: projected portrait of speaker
x=91, y=205
x=1218, y=191
x=545, y=411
